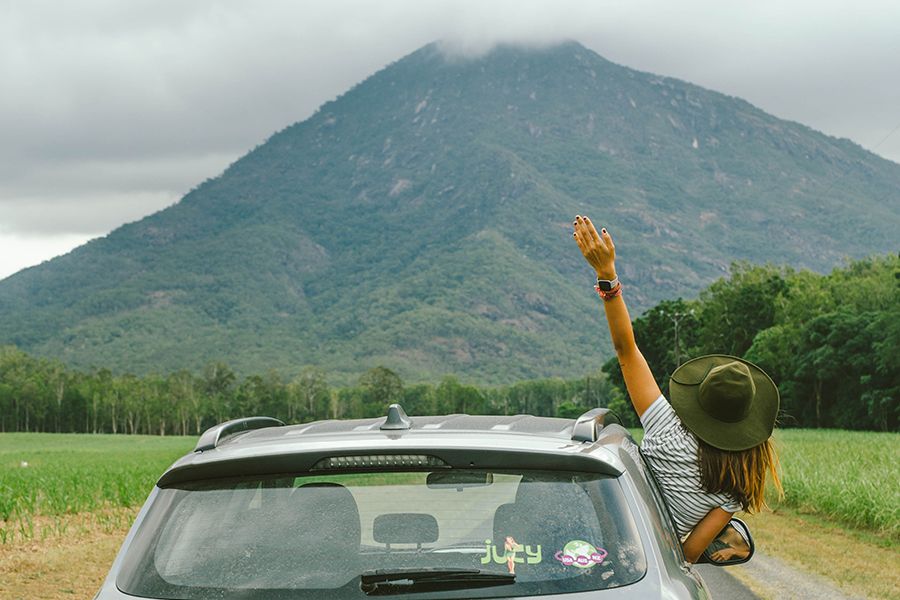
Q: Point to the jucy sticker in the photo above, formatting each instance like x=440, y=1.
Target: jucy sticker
x=513, y=553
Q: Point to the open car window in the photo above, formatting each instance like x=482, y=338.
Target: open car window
x=316, y=536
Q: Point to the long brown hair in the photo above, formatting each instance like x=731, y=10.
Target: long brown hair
x=741, y=474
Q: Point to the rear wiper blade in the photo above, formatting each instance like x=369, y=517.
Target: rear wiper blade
x=405, y=581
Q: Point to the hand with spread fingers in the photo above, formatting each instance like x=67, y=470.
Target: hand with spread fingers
x=597, y=248
x=729, y=553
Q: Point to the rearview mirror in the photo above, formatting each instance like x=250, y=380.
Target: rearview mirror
x=733, y=546
x=458, y=479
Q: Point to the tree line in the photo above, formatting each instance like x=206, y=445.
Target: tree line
x=830, y=342
x=43, y=396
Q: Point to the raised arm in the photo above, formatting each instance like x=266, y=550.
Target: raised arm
x=599, y=251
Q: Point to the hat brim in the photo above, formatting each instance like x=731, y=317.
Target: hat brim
x=754, y=429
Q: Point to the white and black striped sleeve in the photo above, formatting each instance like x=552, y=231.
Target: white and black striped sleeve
x=658, y=416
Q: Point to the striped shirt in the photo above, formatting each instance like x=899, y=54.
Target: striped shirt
x=671, y=452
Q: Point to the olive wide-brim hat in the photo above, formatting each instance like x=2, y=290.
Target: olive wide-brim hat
x=726, y=401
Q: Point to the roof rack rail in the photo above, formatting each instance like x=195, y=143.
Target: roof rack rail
x=212, y=436
x=587, y=426
x=396, y=418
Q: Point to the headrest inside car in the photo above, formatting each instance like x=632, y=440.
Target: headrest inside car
x=405, y=528
x=516, y=520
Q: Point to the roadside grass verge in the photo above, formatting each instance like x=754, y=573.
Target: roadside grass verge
x=859, y=562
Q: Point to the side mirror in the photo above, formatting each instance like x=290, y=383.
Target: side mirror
x=733, y=546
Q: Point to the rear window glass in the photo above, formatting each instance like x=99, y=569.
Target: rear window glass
x=316, y=536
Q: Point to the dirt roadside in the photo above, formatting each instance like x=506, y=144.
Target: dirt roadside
x=798, y=559
x=803, y=556
x=57, y=569
x=771, y=578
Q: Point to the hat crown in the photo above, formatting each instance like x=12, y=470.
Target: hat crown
x=727, y=392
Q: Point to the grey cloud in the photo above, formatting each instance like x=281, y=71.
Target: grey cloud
x=94, y=196
x=139, y=78
x=109, y=106
x=79, y=214
x=78, y=176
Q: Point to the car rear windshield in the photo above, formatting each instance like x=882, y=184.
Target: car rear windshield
x=322, y=536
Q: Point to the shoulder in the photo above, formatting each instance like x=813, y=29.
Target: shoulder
x=664, y=433
x=658, y=416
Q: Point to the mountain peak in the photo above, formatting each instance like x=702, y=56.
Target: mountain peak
x=422, y=221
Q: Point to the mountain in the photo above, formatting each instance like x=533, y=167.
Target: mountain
x=423, y=221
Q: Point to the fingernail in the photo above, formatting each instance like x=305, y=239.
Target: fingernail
x=603, y=229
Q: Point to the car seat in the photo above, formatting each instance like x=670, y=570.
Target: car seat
x=328, y=535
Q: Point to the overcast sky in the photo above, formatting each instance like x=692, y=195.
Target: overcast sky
x=112, y=110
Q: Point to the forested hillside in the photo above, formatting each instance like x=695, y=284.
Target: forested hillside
x=422, y=222
x=829, y=341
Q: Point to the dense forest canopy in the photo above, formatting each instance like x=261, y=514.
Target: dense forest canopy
x=829, y=341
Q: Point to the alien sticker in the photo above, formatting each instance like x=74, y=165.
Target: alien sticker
x=581, y=554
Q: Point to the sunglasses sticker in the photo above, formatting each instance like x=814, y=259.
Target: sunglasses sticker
x=581, y=554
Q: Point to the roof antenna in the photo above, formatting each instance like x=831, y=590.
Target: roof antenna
x=396, y=418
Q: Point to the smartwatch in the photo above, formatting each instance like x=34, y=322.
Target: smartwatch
x=605, y=285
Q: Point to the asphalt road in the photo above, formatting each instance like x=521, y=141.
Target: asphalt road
x=723, y=585
x=772, y=577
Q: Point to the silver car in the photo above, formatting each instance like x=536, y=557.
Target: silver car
x=451, y=506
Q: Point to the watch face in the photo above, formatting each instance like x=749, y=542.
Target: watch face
x=605, y=285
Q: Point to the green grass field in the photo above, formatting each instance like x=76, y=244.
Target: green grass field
x=849, y=477
x=852, y=477
x=52, y=475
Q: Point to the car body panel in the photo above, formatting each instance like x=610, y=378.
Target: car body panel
x=523, y=441
x=299, y=447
